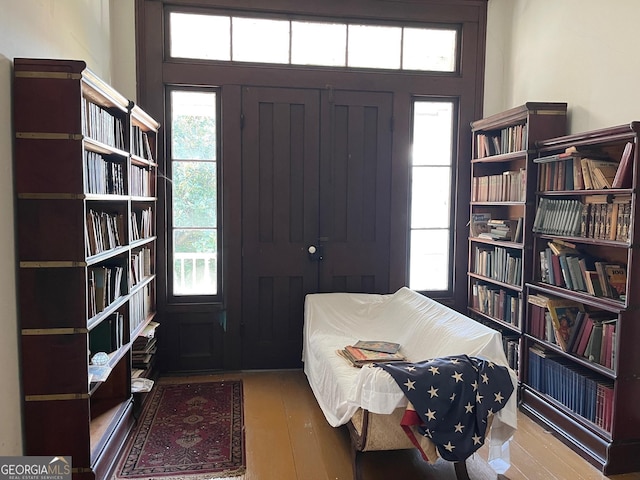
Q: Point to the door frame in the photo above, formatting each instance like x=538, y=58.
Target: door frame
x=154, y=71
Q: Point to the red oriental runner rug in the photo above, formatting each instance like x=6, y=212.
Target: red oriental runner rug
x=188, y=431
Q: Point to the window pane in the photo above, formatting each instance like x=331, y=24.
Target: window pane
x=430, y=194
x=315, y=43
x=195, y=262
x=432, y=133
x=200, y=36
x=260, y=40
x=194, y=194
x=429, y=49
x=374, y=46
x=193, y=125
x=429, y=264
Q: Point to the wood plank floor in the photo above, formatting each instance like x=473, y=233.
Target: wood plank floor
x=288, y=438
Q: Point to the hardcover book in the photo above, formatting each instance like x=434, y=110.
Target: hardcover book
x=563, y=316
x=378, y=346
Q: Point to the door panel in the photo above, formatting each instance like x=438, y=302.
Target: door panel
x=355, y=191
x=280, y=157
x=316, y=170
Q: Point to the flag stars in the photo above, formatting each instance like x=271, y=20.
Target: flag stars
x=457, y=376
x=475, y=385
x=433, y=392
x=410, y=384
x=459, y=427
x=477, y=440
x=468, y=408
x=453, y=396
x=485, y=378
x=449, y=447
x=431, y=414
x=455, y=361
x=411, y=368
x=434, y=370
x=491, y=365
x=479, y=398
x=499, y=397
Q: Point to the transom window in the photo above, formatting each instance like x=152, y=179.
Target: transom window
x=322, y=43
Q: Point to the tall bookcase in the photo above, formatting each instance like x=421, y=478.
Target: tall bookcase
x=501, y=214
x=582, y=377
x=85, y=180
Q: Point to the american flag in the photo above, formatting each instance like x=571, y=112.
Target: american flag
x=451, y=399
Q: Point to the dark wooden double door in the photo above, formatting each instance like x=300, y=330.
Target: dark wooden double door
x=316, y=169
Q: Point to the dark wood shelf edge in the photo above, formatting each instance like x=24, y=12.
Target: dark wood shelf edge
x=595, y=367
x=516, y=330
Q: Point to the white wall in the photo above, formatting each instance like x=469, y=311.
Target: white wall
x=73, y=29
x=577, y=51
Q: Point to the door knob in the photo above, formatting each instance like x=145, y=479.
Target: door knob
x=314, y=252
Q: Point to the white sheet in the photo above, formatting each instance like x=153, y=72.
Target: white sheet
x=425, y=329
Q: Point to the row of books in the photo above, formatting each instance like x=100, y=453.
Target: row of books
x=105, y=231
x=102, y=126
x=562, y=265
x=141, y=224
x=507, y=140
x=575, y=387
x=140, y=144
x=573, y=170
x=511, y=347
x=104, y=177
x=140, y=182
x=499, y=263
x=140, y=306
x=371, y=351
x=599, y=216
x=109, y=335
x=606, y=218
x=509, y=186
x=558, y=217
x=105, y=286
x=566, y=323
x=499, y=303
x=140, y=265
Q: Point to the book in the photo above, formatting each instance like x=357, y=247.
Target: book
x=622, y=178
x=617, y=280
x=563, y=316
x=359, y=357
x=377, y=346
x=479, y=224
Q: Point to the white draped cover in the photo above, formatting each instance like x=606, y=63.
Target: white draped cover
x=424, y=328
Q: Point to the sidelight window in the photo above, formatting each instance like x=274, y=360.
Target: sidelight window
x=194, y=193
x=431, y=187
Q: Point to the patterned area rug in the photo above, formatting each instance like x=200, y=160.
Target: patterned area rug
x=191, y=431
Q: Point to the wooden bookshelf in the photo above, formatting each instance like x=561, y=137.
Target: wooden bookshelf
x=84, y=165
x=603, y=371
x=501, y=214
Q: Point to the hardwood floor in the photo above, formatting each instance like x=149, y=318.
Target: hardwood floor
x=288, y=438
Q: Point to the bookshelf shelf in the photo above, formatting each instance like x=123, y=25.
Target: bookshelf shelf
x=84, y=164
x=587, y=270
x=501, y=215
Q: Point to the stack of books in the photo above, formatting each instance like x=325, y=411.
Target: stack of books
x=371, y=351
